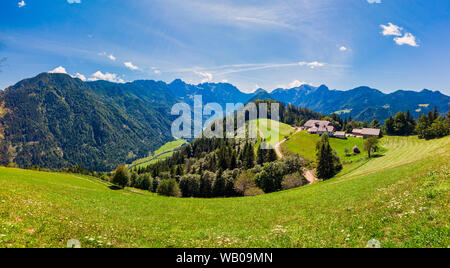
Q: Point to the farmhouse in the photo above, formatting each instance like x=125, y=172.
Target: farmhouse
x=366, y=132
x=319, y=127
x=322, y=126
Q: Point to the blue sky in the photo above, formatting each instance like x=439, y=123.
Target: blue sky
x=384, y=44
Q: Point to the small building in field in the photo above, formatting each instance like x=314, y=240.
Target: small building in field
x=366, y=132
x=339, y=134
x=370, y=132
x=357, y=132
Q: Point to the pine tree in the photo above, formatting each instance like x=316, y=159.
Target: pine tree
x=326, y=159
x=260, y=155
x=271, y=155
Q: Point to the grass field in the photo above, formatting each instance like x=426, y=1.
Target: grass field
x=265, y=126
x=400, y=198
x=162, y=153
x=304, y=144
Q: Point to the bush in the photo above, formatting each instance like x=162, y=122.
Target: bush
x=292, y=164
x=244, y=182
x=121, y=176
x=169, y=187
x=145, y=182
x=269, y=180
x=190, y=185
x=230, y=177
x=293, y=180
x=253, y=191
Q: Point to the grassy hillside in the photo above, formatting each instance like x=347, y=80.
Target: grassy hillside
x=266, y=129
x=162, y=153
x=401, y=199
x=305, y=144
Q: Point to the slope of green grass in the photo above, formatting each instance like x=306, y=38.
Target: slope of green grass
x=304, y=144
x=265, y=126
x=162, y=153
x=401, y=199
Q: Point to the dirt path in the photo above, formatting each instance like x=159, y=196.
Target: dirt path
x=278, y=146
x=309, y=174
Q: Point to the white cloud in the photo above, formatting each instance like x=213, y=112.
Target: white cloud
x=293, y=84
x=130, y=65
x=106, y=76
x=407, y=39
x=110, y=56
x=374, y=1
x=391, y=29
x=74, y=1
x=80, y=76
x=157, y=71
x=58, y=70
x=342, y=48
x=311, y=65
x=207, y=77
x=22, y=4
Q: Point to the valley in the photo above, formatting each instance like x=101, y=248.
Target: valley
x=400, y=198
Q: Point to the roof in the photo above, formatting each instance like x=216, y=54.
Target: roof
x=313, y=129
x=371, y=131
x=312, y=123
x=339, y=133
x=357, y=131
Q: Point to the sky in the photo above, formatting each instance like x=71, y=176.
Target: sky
x=385, y=44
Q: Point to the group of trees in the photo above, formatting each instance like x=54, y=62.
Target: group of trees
x=433, y=126
x=248, y=177
x=401, y=124
x=328, y=162
x=427, y=126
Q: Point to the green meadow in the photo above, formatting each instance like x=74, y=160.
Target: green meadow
x=269, y=131
x=400, y=198
x=162, y=153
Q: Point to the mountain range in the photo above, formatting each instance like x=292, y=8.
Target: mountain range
x=54, y=120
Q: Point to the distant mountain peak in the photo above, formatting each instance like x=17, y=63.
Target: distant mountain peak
x=260, y=90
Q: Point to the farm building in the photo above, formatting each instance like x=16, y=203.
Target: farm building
x=319, y=127
x=322, y=126
x=339, y=134
x=366, y=132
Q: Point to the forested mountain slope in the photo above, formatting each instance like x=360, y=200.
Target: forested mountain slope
x=54, y=120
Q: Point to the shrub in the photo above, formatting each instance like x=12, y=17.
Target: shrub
x=145, y=182
x=190, y=185
x=244, y=182
x=253, y=191
x=121, y=176
x=169, y=187
x=292, y=164
x=293, y=180
x=269, y=180
x=347, y=151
